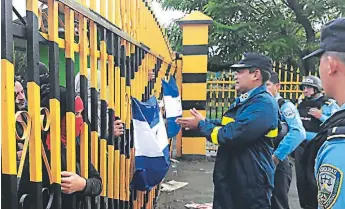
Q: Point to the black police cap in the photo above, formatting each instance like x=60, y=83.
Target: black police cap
x=332, y=38
x=250, y=60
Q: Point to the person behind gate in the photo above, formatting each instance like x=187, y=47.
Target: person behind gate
x=328, y=150
x=291, y=134
x=244, y=169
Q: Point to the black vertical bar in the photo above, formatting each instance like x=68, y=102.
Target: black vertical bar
x=6, y=30
x=103, y=119
x=142, y=55
x=117, y=54
x=33, y=76
x=110, y=50
x=123, y=137
x=128, y=136
x=55, y=94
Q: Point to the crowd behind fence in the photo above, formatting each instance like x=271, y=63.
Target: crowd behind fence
x=121, y=40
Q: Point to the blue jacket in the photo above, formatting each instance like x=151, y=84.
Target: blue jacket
x=296, y=132
x=244, y=170
x=328, y=109
x=330, y=169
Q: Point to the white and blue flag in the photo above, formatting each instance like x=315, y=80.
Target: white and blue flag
x=151, y=145
x=173, y=107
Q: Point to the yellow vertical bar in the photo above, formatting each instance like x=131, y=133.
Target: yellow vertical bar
x=8, y=142
x=123, y=14
x=94, y=85
x=103, y=166
x=93, y=5
x=35, y=136
x=297, y=80
x=70, y=118
x=111, y=75
x=127, y=16
x=133, y=16
x=83, y=71
x=69, y=30
x=111, y=11
x=280, y=74
x=291, y=83
x=141, y=20
x=110, y=171
x=285, y=80
x=83, y=2
x=103, y=6
x=117, y=174
x=118, y=19
x=144, y=23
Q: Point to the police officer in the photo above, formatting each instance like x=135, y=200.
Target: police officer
x=328, y=150
x=290, y=136
x=314, y=109
x=244, y=169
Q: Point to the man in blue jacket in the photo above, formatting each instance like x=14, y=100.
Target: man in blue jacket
x=329, y=144
x=290, y=136
x=244, y=169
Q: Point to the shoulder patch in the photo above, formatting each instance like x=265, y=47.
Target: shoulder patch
x=289, y=112
x=329, y=179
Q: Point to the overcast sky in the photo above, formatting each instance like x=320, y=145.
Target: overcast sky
x=164, y=17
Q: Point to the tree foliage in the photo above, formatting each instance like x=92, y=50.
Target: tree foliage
x=286, y=30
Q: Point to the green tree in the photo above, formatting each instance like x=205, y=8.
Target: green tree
x=286, y=30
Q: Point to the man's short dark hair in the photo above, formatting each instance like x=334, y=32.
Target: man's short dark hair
x=265, y=74
x=274, y=78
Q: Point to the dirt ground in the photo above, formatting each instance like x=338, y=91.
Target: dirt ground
x=198, y=173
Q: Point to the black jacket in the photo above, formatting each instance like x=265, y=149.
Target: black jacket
x=93, y=183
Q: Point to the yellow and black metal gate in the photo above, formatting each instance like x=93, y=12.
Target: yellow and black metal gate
x=123, y=40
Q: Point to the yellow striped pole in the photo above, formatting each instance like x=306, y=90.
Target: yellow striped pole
x=195, y=51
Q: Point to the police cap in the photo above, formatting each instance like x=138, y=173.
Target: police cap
x=255, y=60
x=332, y=38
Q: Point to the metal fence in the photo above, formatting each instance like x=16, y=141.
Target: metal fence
x=123, y=40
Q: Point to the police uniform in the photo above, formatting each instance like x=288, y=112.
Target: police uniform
x=330, y=168
x=244, y=169
x=284, y=145
x=329, y=144
x=312, y=126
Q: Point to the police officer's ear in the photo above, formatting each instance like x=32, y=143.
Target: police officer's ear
x=256, y=74
x=277, y=86
x=332, y=63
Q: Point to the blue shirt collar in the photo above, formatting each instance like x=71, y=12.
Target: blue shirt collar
x=342, y=107
x=277, y=97
x=250, y=93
